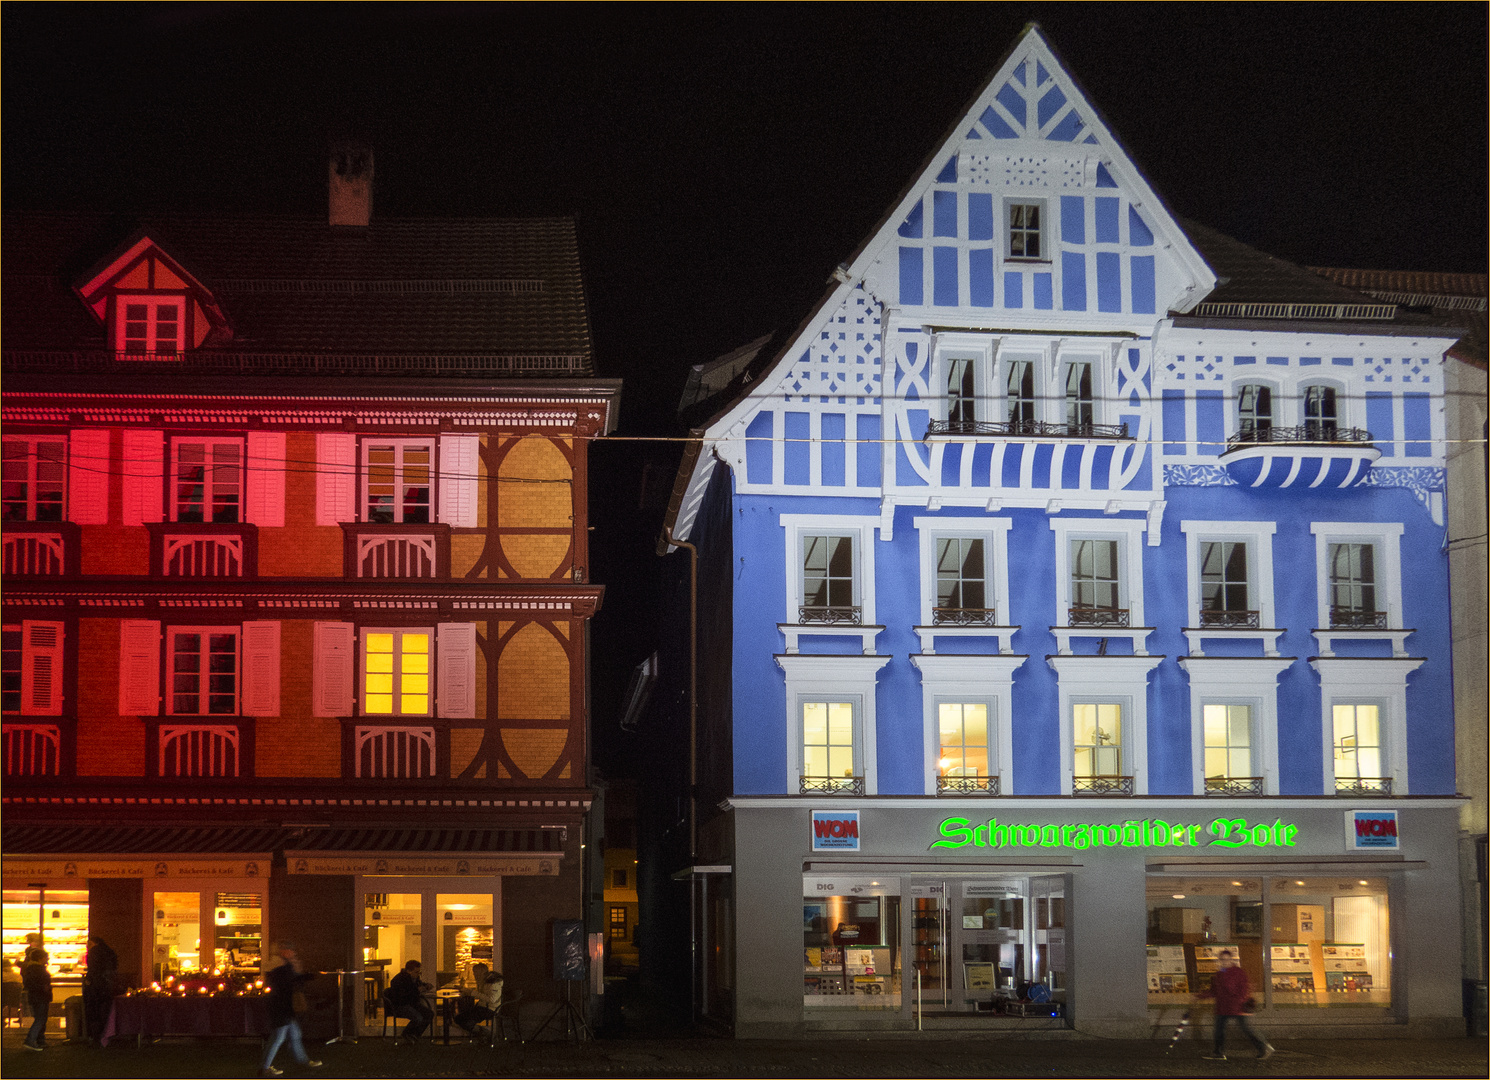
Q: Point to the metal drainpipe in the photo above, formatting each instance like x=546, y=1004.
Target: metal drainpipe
x=693, y=926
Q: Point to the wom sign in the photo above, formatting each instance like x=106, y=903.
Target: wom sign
x=835, y=830
x=1373, y=829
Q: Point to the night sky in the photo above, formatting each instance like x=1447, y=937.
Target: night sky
x=723, y=159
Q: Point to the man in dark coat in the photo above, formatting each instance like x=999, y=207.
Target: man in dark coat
x=37, y=982
x=283, y=981
x=1230, y=988
x=405, y=996
x=98, y=986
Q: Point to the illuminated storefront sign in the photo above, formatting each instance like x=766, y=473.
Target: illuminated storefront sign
x=957, y=832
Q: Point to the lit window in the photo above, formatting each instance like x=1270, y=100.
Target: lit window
x=1021, y=392
x=150, y=326
x=1079, y=402
x=1097, y=738
x=617, y=923
x=1024, y=231
x=1319, y=413
x=207, y=481
x=1223, y=578
x=960, y=575
x=1357, y=742
x=827, y=575
x=33, y=475
x=399, y=481
x=962, y=731
x=1228, y=741
x=204, y=671
x=827, y=739
x=396, y=665
x=1254, y=411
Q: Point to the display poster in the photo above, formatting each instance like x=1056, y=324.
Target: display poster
x=1373, y=830
x=835, y=830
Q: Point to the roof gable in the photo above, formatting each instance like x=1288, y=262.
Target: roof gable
x=142, y=266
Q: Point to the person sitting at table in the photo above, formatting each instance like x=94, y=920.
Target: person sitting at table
x=405, y=997
x=483, y=1007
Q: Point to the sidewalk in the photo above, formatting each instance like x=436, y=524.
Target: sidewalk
x=942, y=1057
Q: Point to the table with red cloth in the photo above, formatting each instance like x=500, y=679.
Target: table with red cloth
x=203, y=1015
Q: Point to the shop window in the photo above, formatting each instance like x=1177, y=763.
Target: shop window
x=55, y=919
x=1228, y=746
x=207, y=481
x=392, y=935
x=830, y=753
x=1097, y=739
x=178, y=934
x=466, y=936
x=396, y=672
x=33, y=479
x=616, y=925
x=964, y=762
x=204, y=671
x=239, y=938
x=398, y=481
x=992, y=919
x=851, y=945
x=1190, y=921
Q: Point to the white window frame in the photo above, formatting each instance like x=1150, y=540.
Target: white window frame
x=1098, y=360
x=1039, y=361
x=1241, y=680
x=831, y=678
x=154, y=302
x=856, y=704
x=1276, y=402
x=969, y=678
x=1046, y=231
x=1343, y=404
x=982, y=350
x=1125, y=714
x=209, y=441
x=397, y=632
x=32, y=461
x=366, y=443
x=1129, y=534
x=994, y=532
x=861, y=532
x=1386, y=537
x=1258, y=536
x=1379, y=682
x=169, y=689
x=1254, y=709
x=1101, y=679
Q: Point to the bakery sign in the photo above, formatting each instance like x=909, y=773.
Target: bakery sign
x=139, y=866
x=393, y=863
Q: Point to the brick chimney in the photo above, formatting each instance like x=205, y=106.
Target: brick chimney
x=350, y=179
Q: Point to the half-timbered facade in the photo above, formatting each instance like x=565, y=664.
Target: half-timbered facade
x=1090, y=614
x=296, y=590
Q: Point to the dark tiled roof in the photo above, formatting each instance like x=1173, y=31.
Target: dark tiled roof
x=490, y=287
x=1420, y=282
x=1248, y=276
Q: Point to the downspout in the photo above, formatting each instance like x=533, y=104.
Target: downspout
x=696, y=974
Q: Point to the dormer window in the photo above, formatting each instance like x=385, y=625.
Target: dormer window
x=150, y=326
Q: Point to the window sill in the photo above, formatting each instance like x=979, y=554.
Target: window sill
x=1195, y=635
x=794, y=632
x=1137, y=635
x=929, y=634
x=1328, y=637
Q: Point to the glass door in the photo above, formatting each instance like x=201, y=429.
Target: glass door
x=927, y=945
x=989, y=927
x=465, y=921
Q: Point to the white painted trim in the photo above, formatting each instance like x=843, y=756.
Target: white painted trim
x=1127, y=533
x=1236, y=680
x=993, y=531
x=1107, y=678
x=970, y=678
x=860, y=528
x=1369, y=682
x=1258, y=536
x=817, y=677
x=1387, y=538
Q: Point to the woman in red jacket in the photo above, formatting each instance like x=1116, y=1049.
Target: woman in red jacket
x=1230, y=989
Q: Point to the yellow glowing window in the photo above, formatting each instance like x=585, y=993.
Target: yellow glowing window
x=396, y=672
x=962, y=730
x=827, y=738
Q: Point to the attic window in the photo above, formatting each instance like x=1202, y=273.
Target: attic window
x=150, y=326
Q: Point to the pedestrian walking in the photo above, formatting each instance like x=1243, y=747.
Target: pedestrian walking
x=1233, y=994
x=37, y=982
x=284, y=982
x=98, y=986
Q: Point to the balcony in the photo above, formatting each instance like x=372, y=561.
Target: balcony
x=1355, y=619
x=1023, y=429
x=1233, y=785
x=397, y=551
x=967, y=785
x=213, y=551
x=40, y=549
x=1087, y=615
x=1376, y=787
x=1102, y=785
x=946, y=616
x=404, y=753
x=1230, y=620
x=1317, y=455
x=830, y=616
x=32, y=750
x=832, y=785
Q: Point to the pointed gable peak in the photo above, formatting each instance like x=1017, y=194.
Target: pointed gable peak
x=150, y=302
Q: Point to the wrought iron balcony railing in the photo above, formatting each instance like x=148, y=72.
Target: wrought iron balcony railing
x=1355, y=619
x=1230, y=620
x=1102, y=785
x=840, y=616
x=964, y=616
x=1363, y=785
x=1031, y=429
x=1316, y=433
x=1233, y=785
x=967, y=785
x=832, y=785
x=1087, y=615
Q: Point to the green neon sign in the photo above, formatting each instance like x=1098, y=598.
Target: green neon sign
x=957, y=832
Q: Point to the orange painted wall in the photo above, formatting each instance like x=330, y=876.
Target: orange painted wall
x=301, y=548
x=108, y=744
x=295, y=743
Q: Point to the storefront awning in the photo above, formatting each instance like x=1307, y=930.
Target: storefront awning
x=95, y=840
x=431, y=841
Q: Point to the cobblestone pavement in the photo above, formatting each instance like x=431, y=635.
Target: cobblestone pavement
x=942, y=1056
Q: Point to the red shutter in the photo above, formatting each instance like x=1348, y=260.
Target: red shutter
x=459, y=456
x=331, y=676
x=264, y=501
x=141, y=476
x=336, y=478
x=88, y=469
x=455, y=670
x=139, y=668
x=260, y=669
x=41, y=671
